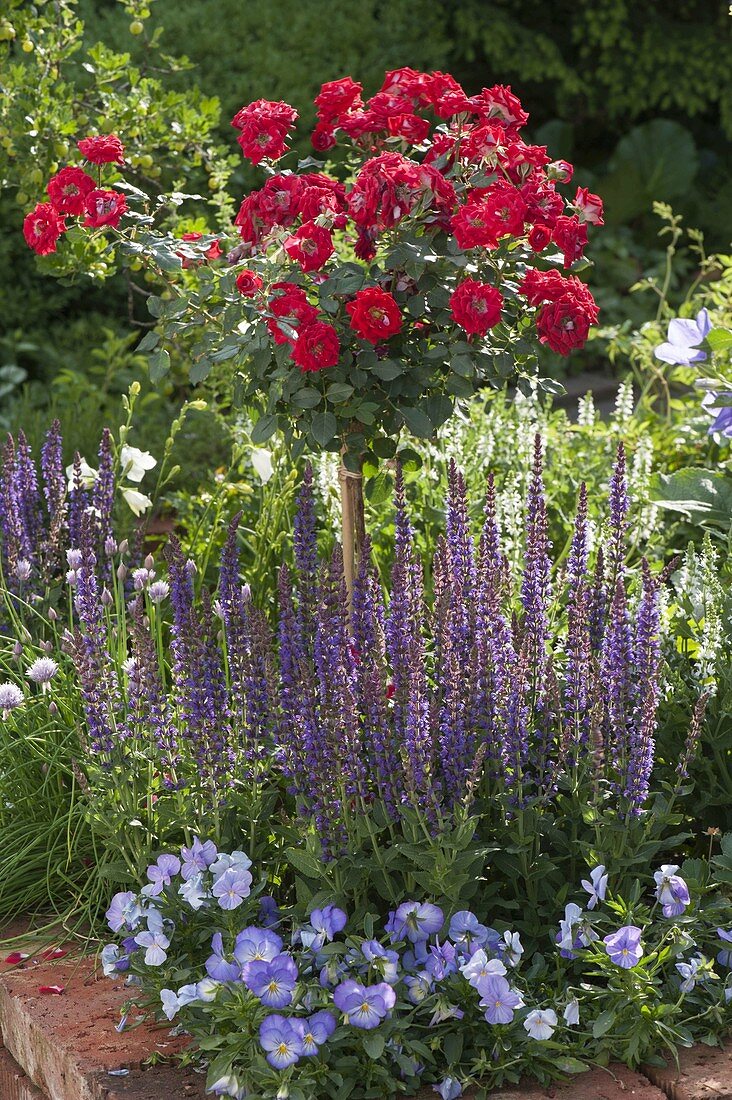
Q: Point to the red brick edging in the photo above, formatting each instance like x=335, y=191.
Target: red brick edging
x=64, y=1047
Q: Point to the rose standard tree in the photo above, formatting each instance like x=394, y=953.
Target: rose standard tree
x=423, y=264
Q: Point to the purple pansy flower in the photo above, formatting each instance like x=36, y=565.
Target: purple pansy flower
x=541, y=1023
x=572, y=1012
x=596, y=886
x=225, y=860
x=671, y=890
x=328, y=921
x=722, y=423
x=218, y=966
x=281, y=1039
x=269, y=914
x=498, y=999
x=419, y=986
x=443, y=960
x=479, y=966
x=197, y=858
x=272, y=980
x=624, y=946
x=466, y=931
x=232, y=887
x=449, y=1089
x=154, y=940
x=382, y=960
x=159, y=874
x=684, y=337
x=365, y=1006
x=415, y=921
x=512, y=948
x=689, y=973
x=257, y=944
x=315, y=1031
x=194, y=892
x=124, y=911
x=724, y=958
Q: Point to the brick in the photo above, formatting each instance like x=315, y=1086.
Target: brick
x=14, y=1084
x=705, y=1073
x=615, y=1083
x=67, y=1044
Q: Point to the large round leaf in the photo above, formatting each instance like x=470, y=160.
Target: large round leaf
x=655, y=162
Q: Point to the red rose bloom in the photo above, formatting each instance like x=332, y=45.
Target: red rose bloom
x=550, y=286
x=563, y=325
x=104, y=208
x=543, y=204
x=213, y=252
x=293, y=307
x=476, y=306
x=316, y=347
x=375, y=315
x=570, y=234
x=488, y=215
x=446, y=95
x=278, y=201
x=248, y=283
x=336, y=98
x=560, y=170
x=323, y=137
x=539, y=237
x=68, y=189
x=589, y=206
x=264, y=127
x=408, y=126
x=311, y=246
x=482, y=143
x=500, y=102
x=42, y=228
x=103, y=149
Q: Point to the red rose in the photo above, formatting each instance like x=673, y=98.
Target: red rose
x=292, y=307
x=446, y=95
x=482, y=143
x=104, y=208
x=323, y=138
x=500, y=102
x=68, y=189
x=476, y=306
x=311, y=246
x=264, y=127
x=278, y=201
x=375, y=315
x=543, y=204
x=539, y=237
x=103, y=149
x=563, y=325
x=408, y=126
x=213, y=252
x=248, y=283
x=336, y=98
x=521, y=159
x=589, y=206
x=488, y=215
x=560, y=170
x=42, y=228
x=322, y=195
x=570, y=234
x=550, y=286
x=316, y=347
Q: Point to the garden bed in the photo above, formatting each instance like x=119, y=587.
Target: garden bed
x=67, y=1046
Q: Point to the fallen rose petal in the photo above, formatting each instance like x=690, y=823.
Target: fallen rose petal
x=15, y=957
x=55, y=990
x=54, y=953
